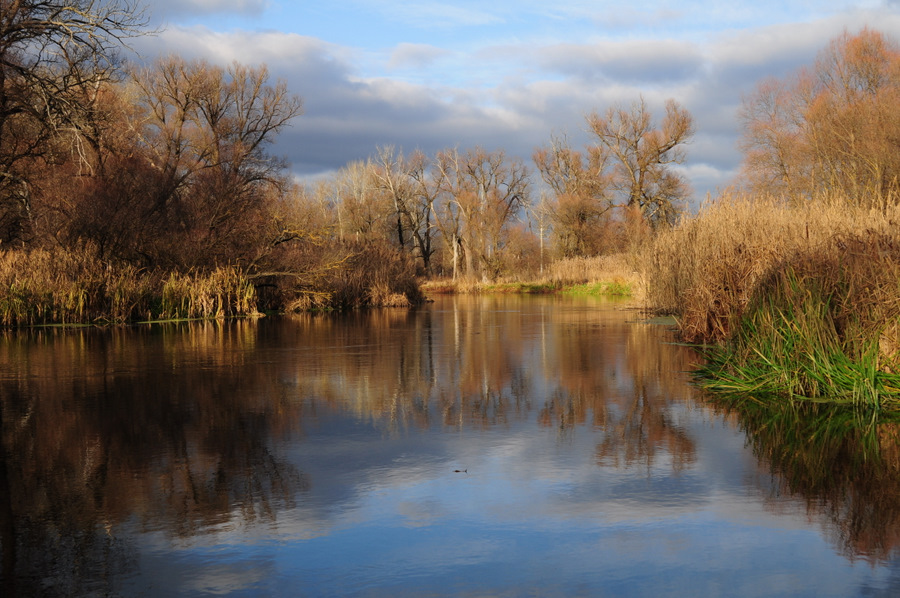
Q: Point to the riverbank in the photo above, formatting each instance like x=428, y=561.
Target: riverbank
x=790, y=300
x=608, y=275
x=74, y=287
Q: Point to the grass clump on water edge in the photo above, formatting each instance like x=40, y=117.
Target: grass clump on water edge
x=615, y=288
x=804, y=337
x=223, y=292
x=790, y=297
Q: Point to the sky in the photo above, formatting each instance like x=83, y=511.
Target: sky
x=507, y=74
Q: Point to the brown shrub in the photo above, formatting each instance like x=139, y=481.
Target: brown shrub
x=311, y=274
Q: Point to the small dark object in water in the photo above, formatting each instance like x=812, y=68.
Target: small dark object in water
x=466, y=471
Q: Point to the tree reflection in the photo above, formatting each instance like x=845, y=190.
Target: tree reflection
x=845, y=464
x=480, y=362
x=620, y=375
x=105, y=429
x=175, y=429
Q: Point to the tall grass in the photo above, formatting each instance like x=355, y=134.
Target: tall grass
x=224, y=292
x=73, y=287
x=798, y=301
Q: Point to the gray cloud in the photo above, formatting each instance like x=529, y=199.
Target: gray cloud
x=415, y=56
x=639, y=61
x=162, y=10
x=515, y=97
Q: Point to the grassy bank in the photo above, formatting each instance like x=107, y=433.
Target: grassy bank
x=609, y=275
x=793, y=301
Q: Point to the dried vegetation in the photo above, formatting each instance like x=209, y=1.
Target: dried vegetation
x=792, y=300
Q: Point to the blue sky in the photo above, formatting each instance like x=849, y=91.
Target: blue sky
x=507, y=74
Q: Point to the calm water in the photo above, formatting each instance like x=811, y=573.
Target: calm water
x=476, y=447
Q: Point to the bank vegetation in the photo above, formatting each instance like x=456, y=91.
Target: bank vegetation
x=792, y=281
x=146, y=191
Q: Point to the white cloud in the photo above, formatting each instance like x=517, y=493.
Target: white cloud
x=514, y=95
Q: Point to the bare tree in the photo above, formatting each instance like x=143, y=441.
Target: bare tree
x=206, y=130
x=541, y=214
x=52, y=53
x=829, y=130
x=644, y=155
x=425, y=181
x=483, y=193
x=412, y=192
x=389, y=172
x=773, y=140
x=363, y=209
x=583, y=188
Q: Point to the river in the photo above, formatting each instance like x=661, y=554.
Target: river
x=478, y=446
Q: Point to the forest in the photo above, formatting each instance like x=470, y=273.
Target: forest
x=139, y=192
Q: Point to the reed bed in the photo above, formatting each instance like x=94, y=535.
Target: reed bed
x=41, y=287
x=794, y=300
x=224, y=292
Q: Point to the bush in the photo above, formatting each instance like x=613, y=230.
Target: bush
x=334, y=275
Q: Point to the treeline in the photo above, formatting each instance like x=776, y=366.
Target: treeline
x=475, y=213
x=138, y=173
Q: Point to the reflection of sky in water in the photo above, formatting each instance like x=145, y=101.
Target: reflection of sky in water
x=534, y=515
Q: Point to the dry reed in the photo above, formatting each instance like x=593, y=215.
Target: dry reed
x=795, y=299
x=73, y=287
x=707, y=269
x=224, y=292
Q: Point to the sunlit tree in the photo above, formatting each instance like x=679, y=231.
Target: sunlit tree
x=483, y=193
x=642, y=155
x=582, y=186
x=206, y=131
x=829, y=130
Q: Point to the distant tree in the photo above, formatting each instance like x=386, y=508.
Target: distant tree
x=425, y=182
x=55, y=56
x=642, y=154
x=540, y=214
x=389, y=171
x=482, y=195
x=407, y=182
x=363, y=210
x=582, y=185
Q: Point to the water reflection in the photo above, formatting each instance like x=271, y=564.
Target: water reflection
x=185, y=449
x=159, y=428
x=844, y=464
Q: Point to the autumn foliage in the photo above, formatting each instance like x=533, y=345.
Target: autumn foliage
x=831, y=129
